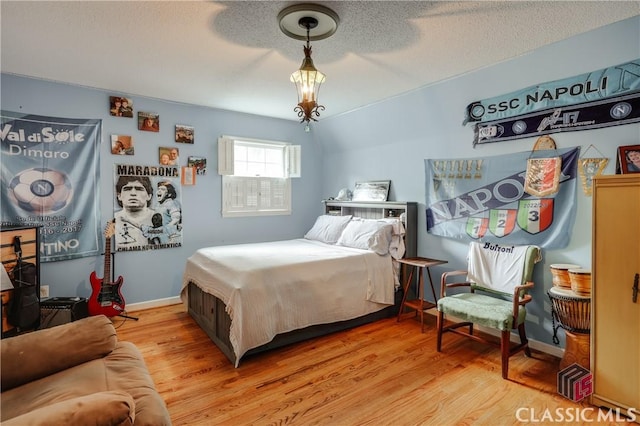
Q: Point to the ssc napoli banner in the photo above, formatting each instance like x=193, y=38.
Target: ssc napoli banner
x=605, y=83
x=591, y=115
x=50, y=178
x=148, y=209
x=484, y=199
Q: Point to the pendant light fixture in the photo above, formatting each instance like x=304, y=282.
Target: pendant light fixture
x=308, y=22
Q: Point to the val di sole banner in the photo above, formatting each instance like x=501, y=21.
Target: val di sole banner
x=50, y=179
x=485, y=198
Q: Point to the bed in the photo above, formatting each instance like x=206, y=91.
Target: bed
x=253, y=297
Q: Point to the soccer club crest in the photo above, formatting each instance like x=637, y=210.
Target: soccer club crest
x=543, y=176
x=535, y=216
x=502, y=222
x=477, y=227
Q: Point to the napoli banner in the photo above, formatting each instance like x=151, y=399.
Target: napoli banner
x=148, y=210
x=50, y=178
x=484, y=198
x=590, y=115
x=596, y=85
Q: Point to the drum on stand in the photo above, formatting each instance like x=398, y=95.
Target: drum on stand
x=560, y=274
x=573, y=313
x=580, y=281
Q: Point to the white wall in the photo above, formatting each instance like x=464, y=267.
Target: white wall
x=391, y=140
x=157, y=274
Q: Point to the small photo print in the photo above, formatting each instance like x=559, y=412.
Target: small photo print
x=188, y=176
x=148, y=121
x=121, y=145
x=168, y=156
x=184, y=134
x=200, y=164
x=120, y=106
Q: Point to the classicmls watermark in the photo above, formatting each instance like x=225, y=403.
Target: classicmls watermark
x=575, y=414
x=575, y=383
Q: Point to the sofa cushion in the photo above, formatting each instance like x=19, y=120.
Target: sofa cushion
x=81, y=380
x=31, y=356
x=102, y=408
x=127, y=371
x=122, y=370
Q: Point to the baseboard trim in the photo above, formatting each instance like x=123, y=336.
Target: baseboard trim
x=533, y=344
x=153, y=304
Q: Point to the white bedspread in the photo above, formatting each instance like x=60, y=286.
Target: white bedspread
x=275, y=287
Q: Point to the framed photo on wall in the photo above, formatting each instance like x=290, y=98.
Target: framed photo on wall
x=122, y=145
x=148, y=121
x=119, y=106
x=188, y=176
x=168, y=156
x=184, y=134
x=376, y=190
x=628, y=159
x=200, y=164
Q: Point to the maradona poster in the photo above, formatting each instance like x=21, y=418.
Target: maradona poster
x=50, y=178
x=148, y=209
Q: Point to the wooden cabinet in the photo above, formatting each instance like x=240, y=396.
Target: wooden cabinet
x=30, y=244
x=382, y=209
x=615, y=319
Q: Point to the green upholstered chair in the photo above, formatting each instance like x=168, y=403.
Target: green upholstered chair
x=496, y=286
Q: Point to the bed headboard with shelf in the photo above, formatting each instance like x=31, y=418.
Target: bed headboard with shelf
x=379, y=210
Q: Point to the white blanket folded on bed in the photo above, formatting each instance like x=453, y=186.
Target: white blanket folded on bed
x=272, y=288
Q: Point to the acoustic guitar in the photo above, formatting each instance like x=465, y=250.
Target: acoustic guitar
x=105, y=297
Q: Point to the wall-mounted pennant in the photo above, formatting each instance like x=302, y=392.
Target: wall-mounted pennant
x=588, y=168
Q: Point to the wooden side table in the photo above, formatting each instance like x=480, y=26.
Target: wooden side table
x=420, y=304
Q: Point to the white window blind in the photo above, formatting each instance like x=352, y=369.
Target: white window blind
x=256, y=176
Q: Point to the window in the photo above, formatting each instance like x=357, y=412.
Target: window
x=256, y=176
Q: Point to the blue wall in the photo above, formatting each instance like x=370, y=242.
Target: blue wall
x=391, y=140
x=387, y=140
x=157, y=274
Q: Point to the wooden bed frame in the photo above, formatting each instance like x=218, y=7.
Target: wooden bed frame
x=211, y=315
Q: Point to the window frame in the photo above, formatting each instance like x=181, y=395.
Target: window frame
x=243, y=196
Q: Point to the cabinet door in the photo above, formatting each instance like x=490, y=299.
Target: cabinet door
x=616, y=318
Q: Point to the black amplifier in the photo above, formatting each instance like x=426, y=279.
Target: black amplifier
x=61, y=310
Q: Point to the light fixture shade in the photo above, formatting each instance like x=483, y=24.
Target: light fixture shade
x=297, y=21
x=308, y=81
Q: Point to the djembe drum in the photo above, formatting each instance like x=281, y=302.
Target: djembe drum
x=573, y=313
x=560, y=274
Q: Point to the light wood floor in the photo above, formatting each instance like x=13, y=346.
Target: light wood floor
x=385, y=373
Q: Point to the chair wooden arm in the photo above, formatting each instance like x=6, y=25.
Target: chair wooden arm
x=444, y=285
x=520, y=301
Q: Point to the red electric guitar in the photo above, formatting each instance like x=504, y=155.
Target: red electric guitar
x=105, y=297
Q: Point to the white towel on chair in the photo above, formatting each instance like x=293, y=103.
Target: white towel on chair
x=495, y=266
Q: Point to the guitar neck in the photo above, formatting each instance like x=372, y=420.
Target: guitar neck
x=107, y=261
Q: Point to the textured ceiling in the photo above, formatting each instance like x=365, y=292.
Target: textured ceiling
x=232, y=55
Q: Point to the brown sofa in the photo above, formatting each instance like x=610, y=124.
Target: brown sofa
x=77, y=374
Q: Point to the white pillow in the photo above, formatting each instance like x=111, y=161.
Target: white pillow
x=328, y=228
x=367, y=235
